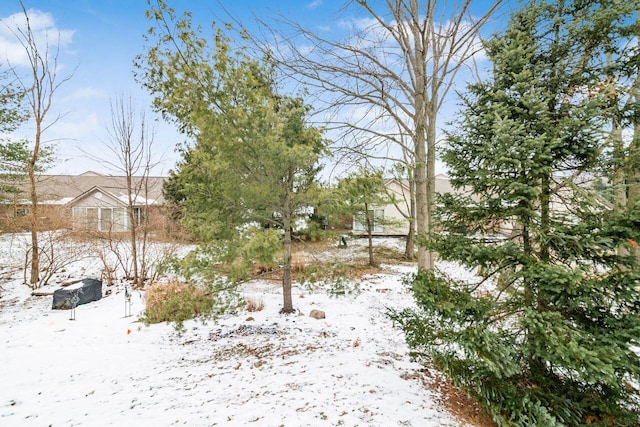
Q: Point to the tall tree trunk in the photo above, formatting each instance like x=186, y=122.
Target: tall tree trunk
x=143, y=236
x=422, y=213
x=133, y=227
x=369, y=216
x=431, y=175
x=419, y=138
x=425, y=179
x=286, y=245
x=618, y=180
x=410, y=249
x=34, y=276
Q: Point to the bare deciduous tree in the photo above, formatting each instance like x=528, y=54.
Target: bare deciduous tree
x=384, y=86
x=39, y=87
x=131, y=145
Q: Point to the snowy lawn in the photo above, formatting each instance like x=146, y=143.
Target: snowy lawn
x=261, y=368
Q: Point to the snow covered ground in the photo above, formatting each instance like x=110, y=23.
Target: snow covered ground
x=261, y=368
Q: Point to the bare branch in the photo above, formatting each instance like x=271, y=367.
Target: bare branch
x=385, y=83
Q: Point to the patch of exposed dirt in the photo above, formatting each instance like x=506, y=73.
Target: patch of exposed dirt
x=230, y=343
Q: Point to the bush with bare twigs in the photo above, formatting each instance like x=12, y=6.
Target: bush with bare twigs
x=56, y=253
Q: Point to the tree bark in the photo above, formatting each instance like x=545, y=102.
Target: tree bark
x=370, y=218
x=431, y=179
x=410, y=249
x=420, y=140
x=287, y=306
x=133, y=227
x=34, y=275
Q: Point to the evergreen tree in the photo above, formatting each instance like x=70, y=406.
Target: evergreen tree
x=12, y=111
x=245, y=181
x=13, y=159
x=13, y=154
x=549, y=333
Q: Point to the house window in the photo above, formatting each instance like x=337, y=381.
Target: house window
x=92, y=219
x=360, y=222
x=106, y=219
x=78, y=216
x=141, y=215
x=99, y=219
x=119, y=216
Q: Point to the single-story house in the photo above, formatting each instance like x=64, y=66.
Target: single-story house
x=87, y=202
x=391, y=220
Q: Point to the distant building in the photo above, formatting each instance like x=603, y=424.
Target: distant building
x=391, y=219
x=86, y=202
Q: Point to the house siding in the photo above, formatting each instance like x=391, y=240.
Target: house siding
x=396, y=214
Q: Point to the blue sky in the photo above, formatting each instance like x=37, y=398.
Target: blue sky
x=100, y=39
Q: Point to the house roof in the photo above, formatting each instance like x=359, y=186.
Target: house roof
x=120, y=198
x=443, y=185
x=63, y=189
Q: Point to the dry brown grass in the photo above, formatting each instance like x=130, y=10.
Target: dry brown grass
x=158, y=292
x=299, y=260
x=263, y=270
x=175, y=302
x=459, y=403
x=254, y=304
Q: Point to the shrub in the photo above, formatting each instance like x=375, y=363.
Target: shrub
x=176, y=302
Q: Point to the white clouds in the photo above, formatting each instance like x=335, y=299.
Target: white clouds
x=79, y=126
x=369, y=34
x=88, y=93
x=43, y=27
x=358, y=24
x=314, y=4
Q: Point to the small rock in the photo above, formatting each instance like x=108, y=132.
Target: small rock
x=317, y=314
